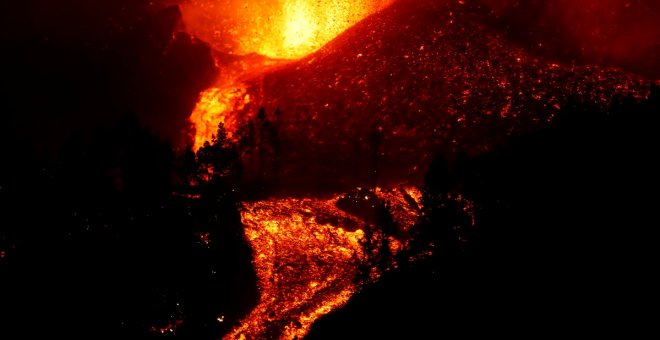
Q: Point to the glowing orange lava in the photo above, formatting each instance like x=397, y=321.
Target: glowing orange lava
x=278, y=29
x=282, y=30
x=213, y=108
x=308, y=255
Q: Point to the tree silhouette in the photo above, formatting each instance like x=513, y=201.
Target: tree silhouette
x=375, y=144
x=219, y=158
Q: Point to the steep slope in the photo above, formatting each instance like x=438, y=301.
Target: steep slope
x=418, y=78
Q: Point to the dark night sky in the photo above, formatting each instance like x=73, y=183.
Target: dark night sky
x=74, y=65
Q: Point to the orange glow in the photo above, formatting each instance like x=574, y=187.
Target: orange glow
x=213, y=108
x=283, y=30
x=299, y=27
x=280, y=29
x=307, y=265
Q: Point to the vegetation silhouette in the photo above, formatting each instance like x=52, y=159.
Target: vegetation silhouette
x=123, y=239
x=559, y=237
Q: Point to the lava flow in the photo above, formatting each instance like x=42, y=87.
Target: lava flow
x=307, y=265
x=309, y=256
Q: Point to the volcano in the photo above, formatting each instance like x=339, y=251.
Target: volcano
x=355, y=168
x=373, y=108
x=416, y=79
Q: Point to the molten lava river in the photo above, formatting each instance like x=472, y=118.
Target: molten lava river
x=310, y=258
x=308, y=254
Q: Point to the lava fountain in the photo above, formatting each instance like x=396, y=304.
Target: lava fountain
x=278, y=30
